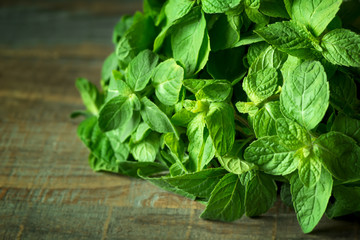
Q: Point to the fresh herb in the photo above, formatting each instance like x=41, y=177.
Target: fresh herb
x=222, y=101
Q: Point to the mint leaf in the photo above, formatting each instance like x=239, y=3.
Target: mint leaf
x=292, y=134
x=187, y=40
x=340, y=155
x=167, y=80
x=90, y=95
x=305, y=95
x=100, y=146
x=309, y=167
x=138, y=37
x=218, y=91
x=146, y=149
x=110, y=64
x=271, y=156
x=310, y=202
x=220, y=123
x=226, y=202
x=200, y=183
x=264, y=122
x=290, y=37
x=348, y=126
x=346, y=201
x=343, y=93
x=342, y=47
x=219, y=6
x=261, y=85
x=315, y=14
x=115, y=113
x=155, y=118
x=269, y=58
x=201, y=149
x=260, y=195
x=140, y=70
x=117, y=86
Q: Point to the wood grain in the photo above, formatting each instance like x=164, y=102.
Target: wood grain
x=47, y=190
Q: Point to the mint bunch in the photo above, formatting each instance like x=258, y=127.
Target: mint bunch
x=228, y=101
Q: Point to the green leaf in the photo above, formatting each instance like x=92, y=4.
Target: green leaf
x=138, y=37
x=200, y=184
x=100, y=146
x=167, y=80
x=115, y=113
x=292, y=134
x=285, y=195
x=117, y=87
x=348, y=126
x=121, y=27
x=248, y=38
x=256, y=16
x=219, y=6
x=268, y=58
x=346, y=201
x=222, y=34
x=342, y=47
x=340, y=155
x=187, y=40
x=123, y=132
x=155, y=118
x=315, y=14
x=227, y=200
x=247, y=107
x=273, y=8
x=235, y=164
x=260, y=195
x=289, y=65
x=221, y=126
x=141, y=132
x=305, y=95
x=265, y=119
x=343, y=93
x=309, y=168
x=90, y=95
x=310, y=202
x=174, y=11
x=111, y=63
x=121, y=149
x=201, y=149
x=195, y=85
x=162, y=183
x=140, y=70
x=182, y=118
x=146, y=150
x=261, y=85
x=218, y=91
x=290, y=37
x=255, y=51
x=154, y=9
x=271, y=156
x=131, y=168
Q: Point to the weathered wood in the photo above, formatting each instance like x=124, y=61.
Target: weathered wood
x=47, y=190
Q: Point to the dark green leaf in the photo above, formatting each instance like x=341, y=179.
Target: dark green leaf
x=310, y=202
x=227, y=200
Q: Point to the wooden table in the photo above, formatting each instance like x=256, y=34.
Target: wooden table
x=47, y=189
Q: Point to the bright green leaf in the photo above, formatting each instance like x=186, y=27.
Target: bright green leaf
x=305, y=95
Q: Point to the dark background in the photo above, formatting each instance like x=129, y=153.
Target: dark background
x=47, y=189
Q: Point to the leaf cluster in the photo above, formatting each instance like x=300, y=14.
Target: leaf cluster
x=225, y=101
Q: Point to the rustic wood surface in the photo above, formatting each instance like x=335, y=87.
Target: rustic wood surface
x=47, y=190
